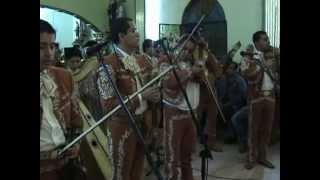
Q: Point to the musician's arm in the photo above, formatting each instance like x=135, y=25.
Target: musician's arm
x=251, y=72
x=170, y=80
x=108, y=97
x=106, y=92
x=249, y=68
x=76, y=120
x=213, y=64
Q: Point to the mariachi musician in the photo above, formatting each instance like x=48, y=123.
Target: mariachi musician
x=60, y=119
x=128, y=70
x=261, y=67
x=208, y=104
x=86, y=79
x=179, y=129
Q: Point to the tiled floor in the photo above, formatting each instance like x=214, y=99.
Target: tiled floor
x=230, y=164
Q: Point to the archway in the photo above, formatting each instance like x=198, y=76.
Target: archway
x=214, y=26
x=71, y=28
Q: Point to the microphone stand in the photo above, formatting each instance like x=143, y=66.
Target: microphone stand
x=205, y=154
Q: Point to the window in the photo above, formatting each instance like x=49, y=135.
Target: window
x=152, y=18
x=272, y=21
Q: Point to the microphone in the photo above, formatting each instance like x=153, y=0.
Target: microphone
x=244, y=53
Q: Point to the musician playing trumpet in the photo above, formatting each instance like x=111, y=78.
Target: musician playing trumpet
x=261, y=67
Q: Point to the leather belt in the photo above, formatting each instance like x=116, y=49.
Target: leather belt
x=48, y=155
x=266, y=93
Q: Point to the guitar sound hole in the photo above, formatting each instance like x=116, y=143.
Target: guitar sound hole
x=94, y=143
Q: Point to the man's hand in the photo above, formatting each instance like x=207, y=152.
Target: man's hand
x=73, y=152
x=126, y=83
x=152, y=94
x=184, y=75
x=196, y=69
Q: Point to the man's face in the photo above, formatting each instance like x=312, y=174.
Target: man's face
x=190, y=47
x=47, y=50
x=263, y=42
x=131, y=39
x=188, y=50
x=151, y=50
x=231, y=68
x=74, y=62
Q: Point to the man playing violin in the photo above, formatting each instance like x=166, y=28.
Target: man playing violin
x=208, y=109
x=261, y=96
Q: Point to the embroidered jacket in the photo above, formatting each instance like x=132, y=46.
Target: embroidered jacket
x=256, y=77
x=65, y=103
x=125, y=73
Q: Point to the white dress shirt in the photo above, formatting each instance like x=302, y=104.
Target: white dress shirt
x=51, y=133
x=267, y=84
x=192, y=90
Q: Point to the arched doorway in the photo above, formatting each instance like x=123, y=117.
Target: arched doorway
x=214, y=25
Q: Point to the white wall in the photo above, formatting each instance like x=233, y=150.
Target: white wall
x=94, y=11
x=172, y=10
x=63, y=23
x=244, y=17
x=162, y=11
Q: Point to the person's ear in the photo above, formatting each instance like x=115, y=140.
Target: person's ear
x=121, y=35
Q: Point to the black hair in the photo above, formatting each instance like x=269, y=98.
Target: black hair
x=72, y=52
x=257, y=35
x=120, y=25
x=90, y=43
x=45, y=27
x=228, y=64
x=147, y=43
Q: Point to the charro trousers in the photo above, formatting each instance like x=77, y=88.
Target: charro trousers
x=261, y=115
x=179, y=142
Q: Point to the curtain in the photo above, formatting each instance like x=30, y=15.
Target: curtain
x=272, y=21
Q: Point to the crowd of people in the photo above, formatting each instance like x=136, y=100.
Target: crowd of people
x=193, y=99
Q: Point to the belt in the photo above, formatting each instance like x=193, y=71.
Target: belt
x=266, y=93
x=48, y=155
